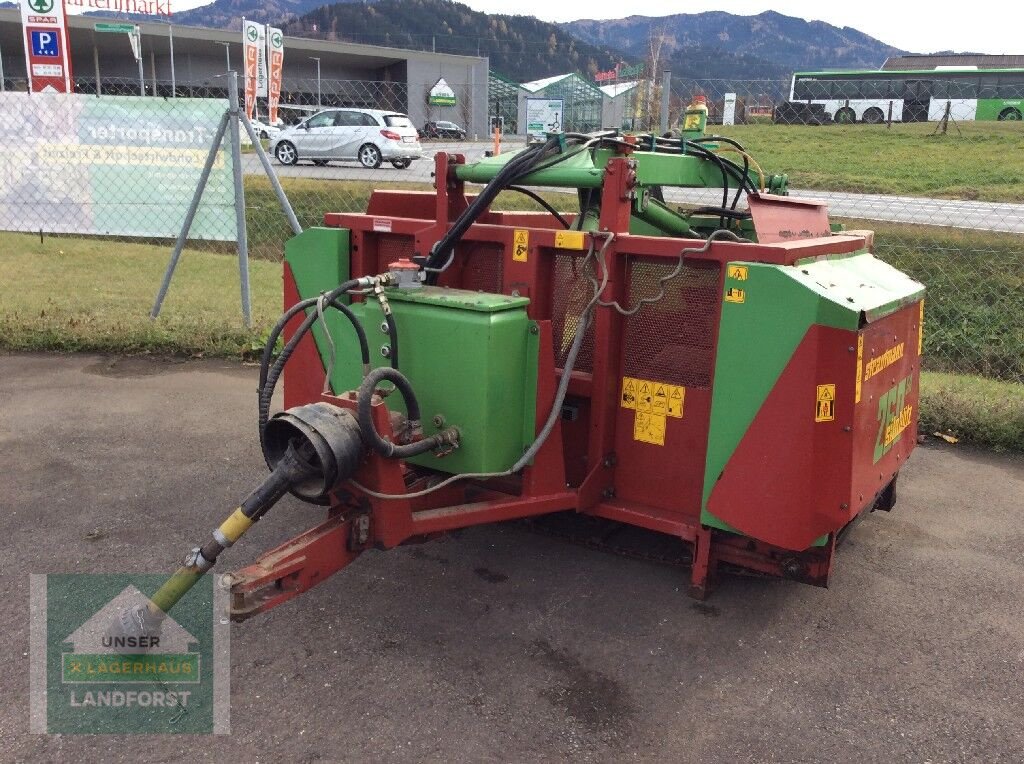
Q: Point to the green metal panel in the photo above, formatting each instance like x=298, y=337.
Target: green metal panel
x=472, y=360
x=319, y=260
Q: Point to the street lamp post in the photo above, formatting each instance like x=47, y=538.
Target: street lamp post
x=315, y=58
x=227, y=53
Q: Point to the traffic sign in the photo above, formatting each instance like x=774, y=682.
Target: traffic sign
x=44, y=43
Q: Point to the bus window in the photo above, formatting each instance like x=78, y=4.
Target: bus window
x=988, y=86
x=1011, y=85
x=808, y=89
x=846, y=89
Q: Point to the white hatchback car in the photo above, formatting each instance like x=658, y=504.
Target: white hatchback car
x=369, y=136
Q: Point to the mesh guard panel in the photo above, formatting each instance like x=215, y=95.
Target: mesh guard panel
x=391, y=247
x=482, y=269
x=570, y=292
x=672, y=340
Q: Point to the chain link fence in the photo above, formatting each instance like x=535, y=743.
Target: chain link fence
x=938, y=179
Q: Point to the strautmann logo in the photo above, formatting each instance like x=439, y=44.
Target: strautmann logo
x=111, y=661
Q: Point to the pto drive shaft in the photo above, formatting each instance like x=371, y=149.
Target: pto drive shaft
x=310, y=449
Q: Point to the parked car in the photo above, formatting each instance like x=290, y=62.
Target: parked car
x=265, y=129
x=443, y=129
x=369, y=136
x=798, y=113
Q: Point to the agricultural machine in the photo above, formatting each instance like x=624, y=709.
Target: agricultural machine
x=742, y=379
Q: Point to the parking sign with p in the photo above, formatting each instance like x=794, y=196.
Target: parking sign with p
x=45, y=43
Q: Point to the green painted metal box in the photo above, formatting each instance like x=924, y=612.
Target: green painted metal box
x=472, y=360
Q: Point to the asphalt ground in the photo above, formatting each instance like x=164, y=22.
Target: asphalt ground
x=496, y=644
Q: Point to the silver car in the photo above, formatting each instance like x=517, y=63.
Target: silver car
x=369, y=136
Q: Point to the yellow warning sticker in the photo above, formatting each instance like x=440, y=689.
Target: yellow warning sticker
x=520, y=245
x=692, y=122
x=860, y=367
x=738, y=272
x=627, y=399
x=676, y=397
x=653, y=402
x=825, y=405
x=570, y=240
x=649, y=428
x=732, y=294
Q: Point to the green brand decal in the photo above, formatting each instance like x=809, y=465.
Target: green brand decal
x=41, y=6
x=894, y=416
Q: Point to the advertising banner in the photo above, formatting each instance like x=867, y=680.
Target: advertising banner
x=254, y=47
x=275, y=56
x=47, y=52
x=124, y=166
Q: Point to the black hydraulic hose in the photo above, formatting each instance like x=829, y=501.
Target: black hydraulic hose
x=542, y=202
x=392, y=340
x=369, y=433
x=503, y=178
x=332, y=298
x=270, y=380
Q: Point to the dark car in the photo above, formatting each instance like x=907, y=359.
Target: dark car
x=797, y=113
x=443, y=129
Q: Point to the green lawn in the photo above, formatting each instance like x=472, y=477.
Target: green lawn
x=90, y=294
x=981, y=161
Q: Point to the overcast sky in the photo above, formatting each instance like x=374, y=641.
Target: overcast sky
x=913, y=26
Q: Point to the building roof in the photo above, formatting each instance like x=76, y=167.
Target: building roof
x=617, y=88
x=536, y=85
x=966, y=60
x=188, y=37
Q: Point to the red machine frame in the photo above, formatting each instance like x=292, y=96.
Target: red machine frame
x=579, y=467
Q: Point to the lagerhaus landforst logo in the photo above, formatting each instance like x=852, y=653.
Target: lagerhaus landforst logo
x=105, y=659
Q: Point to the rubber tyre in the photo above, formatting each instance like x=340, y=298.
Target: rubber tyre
x=286, y=153
x=1009, y=115
x=401, y=164
x=320, y=162
x=845, y=116
x=369, y=156
x=874, y=116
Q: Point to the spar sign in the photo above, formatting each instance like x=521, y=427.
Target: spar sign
x=254, y=44
x=47, y=54
x=275, y=55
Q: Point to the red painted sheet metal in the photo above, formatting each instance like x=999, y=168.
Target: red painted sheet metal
x=786, y=219
x=885, y=419
x=793, y=500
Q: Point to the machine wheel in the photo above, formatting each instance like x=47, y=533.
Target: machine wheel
x=874, y=116
x=320, y=162
x=1009, y=115
x=286, y=153
x=401, y=164
x=846, y=116
x=369, y=156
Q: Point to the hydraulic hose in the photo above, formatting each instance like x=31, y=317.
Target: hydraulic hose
x=368, y=431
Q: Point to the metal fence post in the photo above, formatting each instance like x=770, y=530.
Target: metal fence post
x=190, y=215
x=236, y=171
x=271, y=176
x=666, y=85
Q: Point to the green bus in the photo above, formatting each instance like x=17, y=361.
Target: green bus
x=914, y=96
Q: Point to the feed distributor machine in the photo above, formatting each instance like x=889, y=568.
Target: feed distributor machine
x=742, y=379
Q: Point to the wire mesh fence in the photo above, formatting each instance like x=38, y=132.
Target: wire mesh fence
x=936, y=178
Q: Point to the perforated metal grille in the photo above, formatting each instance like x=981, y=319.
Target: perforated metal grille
x=571, y=290
x=481, y=267
x=672, y=340
x=391, y=247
